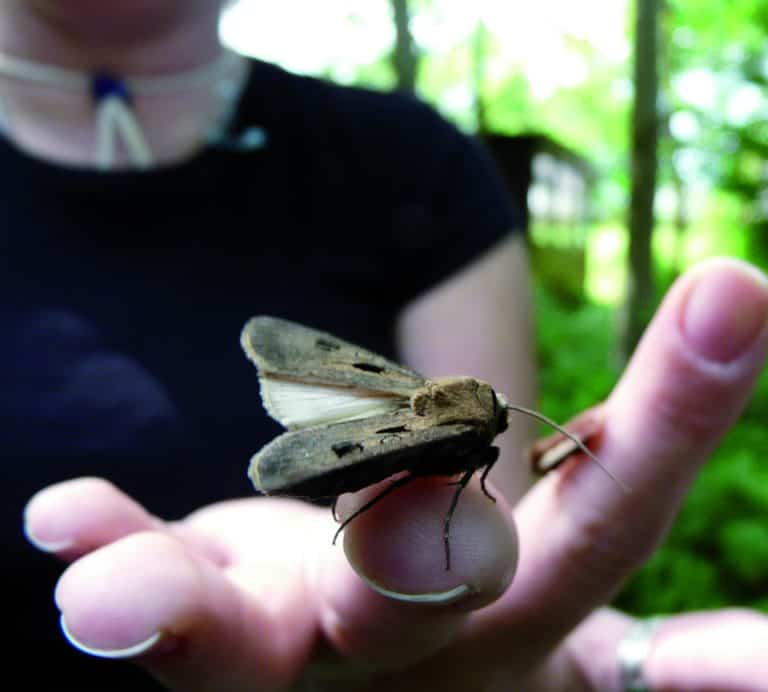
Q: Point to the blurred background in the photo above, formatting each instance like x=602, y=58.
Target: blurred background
x=635, y=134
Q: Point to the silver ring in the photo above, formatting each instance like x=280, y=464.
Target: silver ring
x=633, y=651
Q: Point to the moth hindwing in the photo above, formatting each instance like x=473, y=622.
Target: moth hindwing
x=356, y=418
x=309, y=377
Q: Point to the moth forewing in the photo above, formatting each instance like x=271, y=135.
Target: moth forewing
x=326, y=461
x=280, y=348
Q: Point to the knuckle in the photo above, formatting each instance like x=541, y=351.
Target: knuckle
x=600, y=549
x=684, y=424
x=691, y=406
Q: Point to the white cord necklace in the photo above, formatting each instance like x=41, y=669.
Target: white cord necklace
x=112, y=97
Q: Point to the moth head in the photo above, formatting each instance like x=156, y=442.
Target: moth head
x=460, y=400
x=500, y=411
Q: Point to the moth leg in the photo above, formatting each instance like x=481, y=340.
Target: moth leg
x=493, y=457
x=399, y=483
x=487, y=458
x=460, y=485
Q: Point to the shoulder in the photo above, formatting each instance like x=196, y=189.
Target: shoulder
x=337, y=98
x=385, y=123
x=429, y=197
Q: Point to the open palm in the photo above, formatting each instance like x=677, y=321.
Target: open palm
x=250, y=595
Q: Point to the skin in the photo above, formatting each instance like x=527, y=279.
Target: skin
x=209, y=604
x=142, y=38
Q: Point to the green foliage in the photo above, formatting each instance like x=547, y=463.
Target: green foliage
x=589, y=116
x=744, y=547
x=375, y=75
x=707, y=27
x=726, y=44
x=511, y=108
x=572, y=341
x=717, y=551
x=674, y=580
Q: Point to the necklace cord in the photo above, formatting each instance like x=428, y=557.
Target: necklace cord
x=115, y=119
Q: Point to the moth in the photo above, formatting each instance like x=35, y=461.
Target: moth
x=355, y=418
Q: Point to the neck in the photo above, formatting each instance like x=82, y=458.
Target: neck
x=140, y=38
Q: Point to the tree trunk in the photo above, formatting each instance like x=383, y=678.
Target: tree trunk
x=405, y=54
x=681, y=221
x=640, y=296
x=479, y=52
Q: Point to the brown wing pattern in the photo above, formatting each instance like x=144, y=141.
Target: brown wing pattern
x=327, y=460
x=292, y=351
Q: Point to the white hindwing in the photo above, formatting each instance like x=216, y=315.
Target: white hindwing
x=301, y=405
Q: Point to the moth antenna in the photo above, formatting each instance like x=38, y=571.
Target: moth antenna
x=548, y=421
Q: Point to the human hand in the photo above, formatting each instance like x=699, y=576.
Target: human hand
x=249, y=595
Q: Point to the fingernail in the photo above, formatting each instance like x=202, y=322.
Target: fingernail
x=439, y=597
x=151, y=643
x=725, y=311
x=448, y=597
x=47, y=534
x=47, y=545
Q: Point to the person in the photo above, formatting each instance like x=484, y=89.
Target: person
x=159, y=191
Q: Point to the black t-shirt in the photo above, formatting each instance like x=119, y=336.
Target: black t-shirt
x=122, y=296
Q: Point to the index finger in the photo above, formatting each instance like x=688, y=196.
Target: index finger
x=692, y=373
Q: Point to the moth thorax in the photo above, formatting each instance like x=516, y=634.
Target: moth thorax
x=455, y=400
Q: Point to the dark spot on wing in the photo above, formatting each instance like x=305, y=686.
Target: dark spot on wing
x=394, y=429
x=325, y=345
x=368, y=367
x=343, y=448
